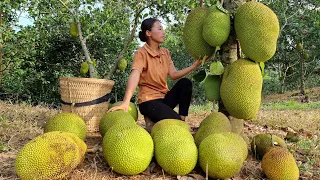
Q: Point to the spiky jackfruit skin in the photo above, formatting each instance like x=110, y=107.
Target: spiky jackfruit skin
x=168, y=122
x=175, y=150
x=241, y=88
x=216, y=122
x=261, y=143
x=279, y=164
x=132, y=109
x=257, y=28
x=192, y=34
x=212, y=87
x=67, y=122
x=216, y=27
x=128, y=149
x=52, y=155
x=112, y=118
x=223, y=154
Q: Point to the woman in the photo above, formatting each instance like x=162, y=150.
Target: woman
x=150, y=67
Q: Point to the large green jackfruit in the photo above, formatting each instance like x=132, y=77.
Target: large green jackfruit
x=257, y=28
x=212, y=87
x=192, y=34
x=241, y=88
x=216, y=27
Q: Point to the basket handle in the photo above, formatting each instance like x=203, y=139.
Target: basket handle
x=89, y=103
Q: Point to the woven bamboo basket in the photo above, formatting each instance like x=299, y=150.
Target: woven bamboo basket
x=74, y=91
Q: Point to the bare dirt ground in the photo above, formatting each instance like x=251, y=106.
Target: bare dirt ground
x=21, y=123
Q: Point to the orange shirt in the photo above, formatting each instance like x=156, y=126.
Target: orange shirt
x=154, y=69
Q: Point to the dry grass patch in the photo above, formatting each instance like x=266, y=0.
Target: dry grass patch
x=21, y=123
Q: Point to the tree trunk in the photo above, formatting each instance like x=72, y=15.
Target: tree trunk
x=230, y=51
x=302, y=91
x=1, y=60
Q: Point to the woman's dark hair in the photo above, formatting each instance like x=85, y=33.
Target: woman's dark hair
x=146, y=25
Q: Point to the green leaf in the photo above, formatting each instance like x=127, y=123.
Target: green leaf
x=216, y=68
x=198, y=77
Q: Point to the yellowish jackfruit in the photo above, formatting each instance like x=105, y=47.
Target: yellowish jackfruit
x=67, y=122
x=132, y=109
x=192, y=34
x=241, y=88
x=223, y=154
x=168, y=122
x=74, y=30
x=128, y=149
x=279, y=164
x=257, y=28
x=112, y=118
x=122, y=64
x=216, y=122
x=261, y=143
x=175, y=150
x=52, y=155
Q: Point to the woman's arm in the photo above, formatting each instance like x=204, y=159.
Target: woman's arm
x=174, y=74
x=131, y=87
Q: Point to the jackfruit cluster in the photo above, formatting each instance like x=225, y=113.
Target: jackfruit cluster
x=204, y=30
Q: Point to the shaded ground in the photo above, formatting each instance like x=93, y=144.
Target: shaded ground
x=21, y=123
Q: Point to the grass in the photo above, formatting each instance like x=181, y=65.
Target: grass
x=290, y=105
x=21, y=123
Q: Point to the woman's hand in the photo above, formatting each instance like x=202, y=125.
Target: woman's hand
x=123, y=106
x=198, y=62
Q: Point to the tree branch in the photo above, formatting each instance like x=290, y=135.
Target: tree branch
x=132, y=33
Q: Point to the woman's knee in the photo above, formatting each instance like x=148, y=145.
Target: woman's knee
x=185, y=82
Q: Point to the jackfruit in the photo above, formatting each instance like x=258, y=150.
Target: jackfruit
x=261, y=143
x=305, y=55
x=122, y=65
x=299, y=47
x=115, y=117
x=84, y=68
x=216, y=122
x=52, y=155
x=74, y=30
x=128, y=149
x=175, y=150
x=278, y=163
x=168, y=122
x=216, y=27
x=257, y=28
x=222, y=154
x=192, y=38
x=67, y=122
x=212, y=87
x=179, y=157
x=241, y=88
x=132, y=109
x=216, y=68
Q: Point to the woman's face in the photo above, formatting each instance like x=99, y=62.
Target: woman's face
x=157, y=33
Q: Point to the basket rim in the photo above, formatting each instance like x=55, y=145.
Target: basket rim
x=80, y=79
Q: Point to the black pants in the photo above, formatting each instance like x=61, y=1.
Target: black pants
x=159, y=109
